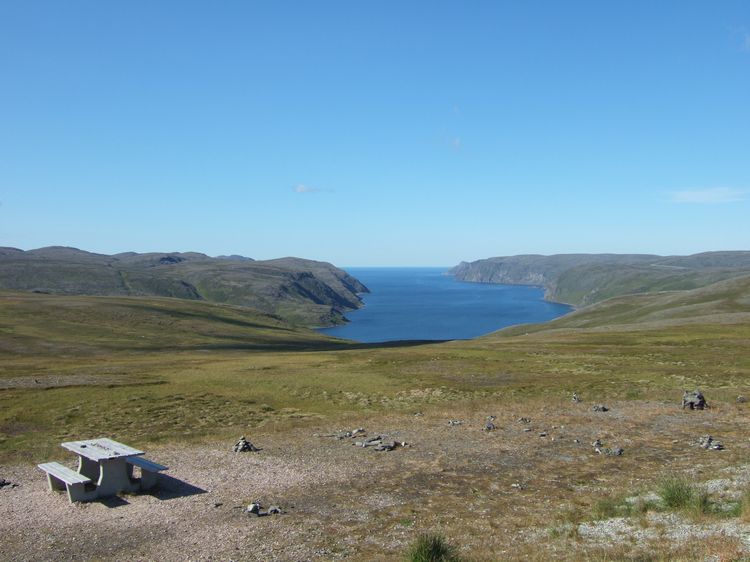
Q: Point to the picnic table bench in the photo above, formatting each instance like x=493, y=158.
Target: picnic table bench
x=149, y=471
x=60, y=477
x=105, y=468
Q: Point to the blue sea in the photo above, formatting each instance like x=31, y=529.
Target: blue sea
x=426, y=304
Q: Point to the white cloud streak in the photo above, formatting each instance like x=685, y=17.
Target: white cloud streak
x=303, y=188
x=709, y=196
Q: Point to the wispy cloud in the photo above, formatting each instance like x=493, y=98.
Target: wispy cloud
x=456, y=143
x=709, y=196
x=303, y=188
x=744, y=37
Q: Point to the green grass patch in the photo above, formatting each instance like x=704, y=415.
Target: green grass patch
x=676, y=493
x=432, y=547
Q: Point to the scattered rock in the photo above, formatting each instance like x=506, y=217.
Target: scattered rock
x=489, y=425
x=453, y=423
x=707, y=442
x=518, y=486
x=600, y=408
x=606, y=451
x=543, y=434
x=255, y=509
x=741, y=399
x=524, y=420
x=576, y=399
x=693, y=400
x=389, y=446
x=243, y=446
x=527, y=429
x=370, y=442
x=7, y=483
x=418, y=414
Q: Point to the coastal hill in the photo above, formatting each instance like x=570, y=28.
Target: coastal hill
x=583, y=279
x=300, y=291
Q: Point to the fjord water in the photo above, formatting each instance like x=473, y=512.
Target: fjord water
x=426, y=304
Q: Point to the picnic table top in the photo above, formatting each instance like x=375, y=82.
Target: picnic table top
x=101, y=449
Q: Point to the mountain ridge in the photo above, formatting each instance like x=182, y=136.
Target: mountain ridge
x=301, y=291
x=583, y=279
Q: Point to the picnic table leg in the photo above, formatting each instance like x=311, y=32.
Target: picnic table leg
x=148, y=479
x=54, y=483
x=89, y=468
x=114, y=478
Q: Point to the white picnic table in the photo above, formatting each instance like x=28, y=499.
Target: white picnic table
x=105, y=468
x=105, y=462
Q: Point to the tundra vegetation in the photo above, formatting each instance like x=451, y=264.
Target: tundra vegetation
x=153, y=370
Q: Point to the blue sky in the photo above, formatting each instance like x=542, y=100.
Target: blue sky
x=375, y=133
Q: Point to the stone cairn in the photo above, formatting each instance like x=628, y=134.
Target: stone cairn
x=244, y=446
x=600, y=408
x=489, y=424
x=693, y=400
x=576, y=399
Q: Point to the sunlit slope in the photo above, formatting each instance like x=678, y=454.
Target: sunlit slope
x=304, y=292
x=50, y=324
x=725, y=302
x=584, y=279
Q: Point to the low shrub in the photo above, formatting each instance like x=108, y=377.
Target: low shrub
x=431, y=547
x=676, y=493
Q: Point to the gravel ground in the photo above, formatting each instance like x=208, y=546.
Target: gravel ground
x=496, y=494
x=194, y=514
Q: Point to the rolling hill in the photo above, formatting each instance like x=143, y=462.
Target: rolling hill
x=583, y=279
x=301, y=291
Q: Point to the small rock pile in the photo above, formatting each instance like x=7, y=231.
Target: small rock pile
x=379, y=443
x=707, y=442
x=8, y=483
x=345, y=434
x=489, y=425
x=576, y=398
x=606, y=451
x=244, y=446
x=741, y=399
x=255, y=509
x=600, y=408
x=693, y=400
x=454, y=423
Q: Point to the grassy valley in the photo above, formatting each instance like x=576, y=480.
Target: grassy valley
x=168, y=374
